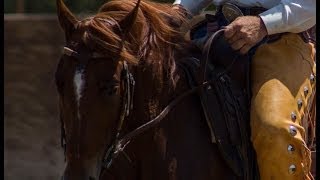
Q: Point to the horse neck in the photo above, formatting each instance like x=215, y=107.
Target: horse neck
x=153, y=92
x=160, y=147
x=173, y=140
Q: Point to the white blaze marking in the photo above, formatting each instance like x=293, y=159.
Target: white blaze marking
x=78, y=82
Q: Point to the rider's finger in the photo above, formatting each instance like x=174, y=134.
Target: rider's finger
x=234, y=38
x=245, y=48
x=229, y=31
x=238, y=44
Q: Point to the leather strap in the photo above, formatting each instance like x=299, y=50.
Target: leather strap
x=120, y=144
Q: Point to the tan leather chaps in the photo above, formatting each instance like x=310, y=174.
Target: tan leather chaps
x=283, y=79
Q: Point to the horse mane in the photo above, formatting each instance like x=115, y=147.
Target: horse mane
x=152, y=38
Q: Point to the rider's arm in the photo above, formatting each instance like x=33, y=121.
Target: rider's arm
x=193, y=6
x=290, y=16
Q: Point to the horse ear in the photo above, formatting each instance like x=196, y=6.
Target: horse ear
x=66, y=19
x=127, y=22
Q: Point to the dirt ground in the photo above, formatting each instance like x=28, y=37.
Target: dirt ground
x=32, y=46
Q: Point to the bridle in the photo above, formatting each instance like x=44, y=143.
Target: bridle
x=127, y=98
x=119, y=143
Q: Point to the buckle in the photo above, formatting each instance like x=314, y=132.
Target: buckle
x=231, y=12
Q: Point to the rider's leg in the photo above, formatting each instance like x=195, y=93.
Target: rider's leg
x=280, y=80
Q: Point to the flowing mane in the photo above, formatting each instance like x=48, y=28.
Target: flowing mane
x=152, y=38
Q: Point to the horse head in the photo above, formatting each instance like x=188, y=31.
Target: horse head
x=91, y=81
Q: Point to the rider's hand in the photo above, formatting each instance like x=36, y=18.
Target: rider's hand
x=245, y=32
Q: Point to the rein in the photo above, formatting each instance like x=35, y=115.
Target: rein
x=119, y=144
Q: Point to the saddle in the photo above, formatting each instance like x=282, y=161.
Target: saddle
x=226, y=102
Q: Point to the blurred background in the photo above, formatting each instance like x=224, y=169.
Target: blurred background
x=33, y=42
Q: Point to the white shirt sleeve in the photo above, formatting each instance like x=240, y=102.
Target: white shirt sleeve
x=194, y=6
x=290, y=16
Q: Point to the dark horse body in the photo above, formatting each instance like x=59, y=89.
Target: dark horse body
x=178, y=148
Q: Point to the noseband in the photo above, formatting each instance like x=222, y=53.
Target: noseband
x=118, y=144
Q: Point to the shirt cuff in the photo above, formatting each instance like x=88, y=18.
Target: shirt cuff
x=273, y=20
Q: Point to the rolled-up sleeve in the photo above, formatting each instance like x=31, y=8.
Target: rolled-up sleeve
x=290, y=16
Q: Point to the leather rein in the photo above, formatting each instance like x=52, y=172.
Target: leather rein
x=118, y=145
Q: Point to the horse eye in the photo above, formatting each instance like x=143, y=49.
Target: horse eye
x=113, y=90
x=109, y=88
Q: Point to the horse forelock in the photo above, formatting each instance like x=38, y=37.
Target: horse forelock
x=152, y=37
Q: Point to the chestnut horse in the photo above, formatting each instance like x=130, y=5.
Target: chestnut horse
x=126, y=46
